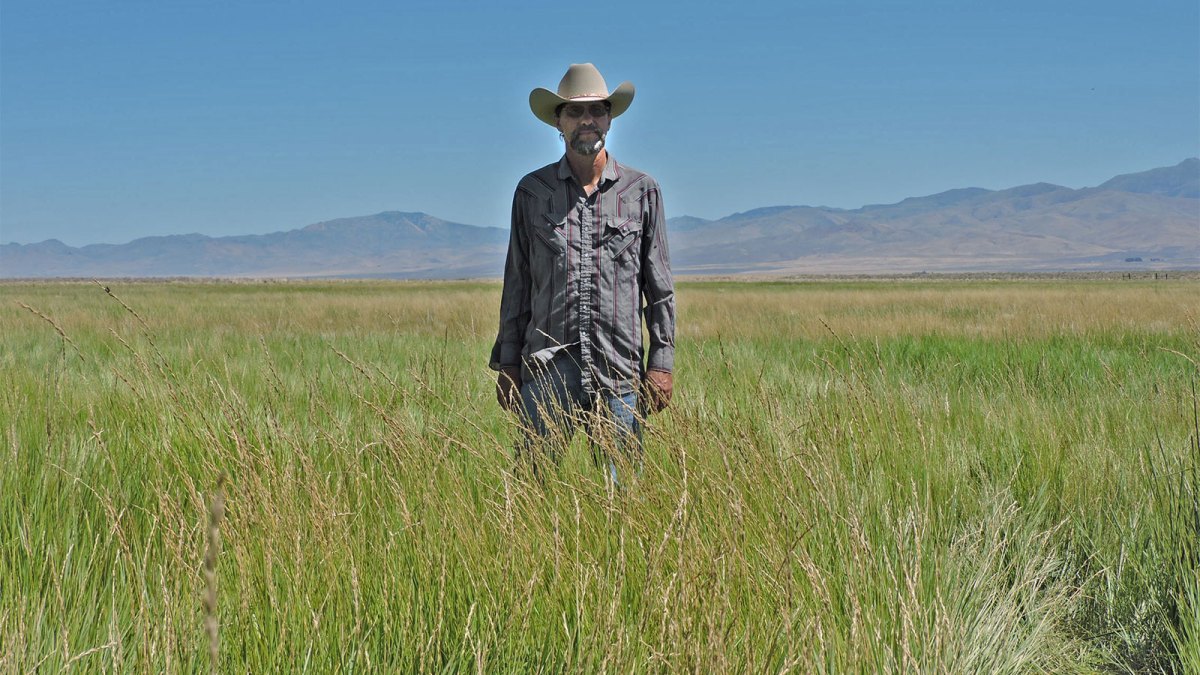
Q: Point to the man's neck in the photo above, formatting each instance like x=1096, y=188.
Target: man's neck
x=587, y=168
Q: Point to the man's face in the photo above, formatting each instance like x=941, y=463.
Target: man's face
x=584, y=126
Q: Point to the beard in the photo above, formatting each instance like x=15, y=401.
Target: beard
x=587, y=147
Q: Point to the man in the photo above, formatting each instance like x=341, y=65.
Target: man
x=587, y=259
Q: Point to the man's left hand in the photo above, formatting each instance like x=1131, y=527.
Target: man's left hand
x=659, y=384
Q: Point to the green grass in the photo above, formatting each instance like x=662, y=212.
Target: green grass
x=924, y=476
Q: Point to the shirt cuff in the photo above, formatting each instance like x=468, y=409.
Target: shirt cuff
x=505, y=355
x=661, y=358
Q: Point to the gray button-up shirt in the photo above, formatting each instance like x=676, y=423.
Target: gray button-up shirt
x=581, y=273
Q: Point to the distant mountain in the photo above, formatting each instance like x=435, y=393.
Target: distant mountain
x=1182, y=180
x=389, y=244
x=1138, y=220
x=1145, y=219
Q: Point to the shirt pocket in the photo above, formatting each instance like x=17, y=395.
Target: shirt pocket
x=548, y=235
x=621, y=240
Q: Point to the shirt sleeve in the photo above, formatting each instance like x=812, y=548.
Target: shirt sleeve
x=514, y=299
x=658, y=286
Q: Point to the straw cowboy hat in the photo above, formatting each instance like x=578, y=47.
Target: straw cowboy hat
x=582, y=84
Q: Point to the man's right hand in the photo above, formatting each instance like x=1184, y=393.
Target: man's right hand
x=508, y=388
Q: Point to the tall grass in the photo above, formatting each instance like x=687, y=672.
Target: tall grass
x=855, y=477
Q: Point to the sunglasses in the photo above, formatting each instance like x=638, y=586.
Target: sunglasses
x=576, y=110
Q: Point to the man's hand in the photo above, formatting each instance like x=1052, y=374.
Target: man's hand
x=659, y=384
x=508, y=388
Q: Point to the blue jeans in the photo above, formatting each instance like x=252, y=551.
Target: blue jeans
x=554, y=404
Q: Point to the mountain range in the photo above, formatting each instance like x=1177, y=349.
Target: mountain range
x=1139, y=220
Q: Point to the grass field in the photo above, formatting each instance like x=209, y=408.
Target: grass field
x=959, y=476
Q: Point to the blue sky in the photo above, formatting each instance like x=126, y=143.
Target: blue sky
x=127, y=119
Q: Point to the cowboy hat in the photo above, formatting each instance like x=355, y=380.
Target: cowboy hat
x=582, y=84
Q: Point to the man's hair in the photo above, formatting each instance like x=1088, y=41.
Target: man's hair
x=558, y=108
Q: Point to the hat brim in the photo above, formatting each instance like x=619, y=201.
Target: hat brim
x=543, y=102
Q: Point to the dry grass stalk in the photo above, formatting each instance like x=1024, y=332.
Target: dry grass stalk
x=57, y=328
x=216, y=513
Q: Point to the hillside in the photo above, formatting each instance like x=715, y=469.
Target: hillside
x=1146, y=219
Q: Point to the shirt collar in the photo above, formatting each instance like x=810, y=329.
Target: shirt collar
x=611, y=173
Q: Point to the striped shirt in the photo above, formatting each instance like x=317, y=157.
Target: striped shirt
x=581, y=273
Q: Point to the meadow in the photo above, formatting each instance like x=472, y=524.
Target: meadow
x=856, y=476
